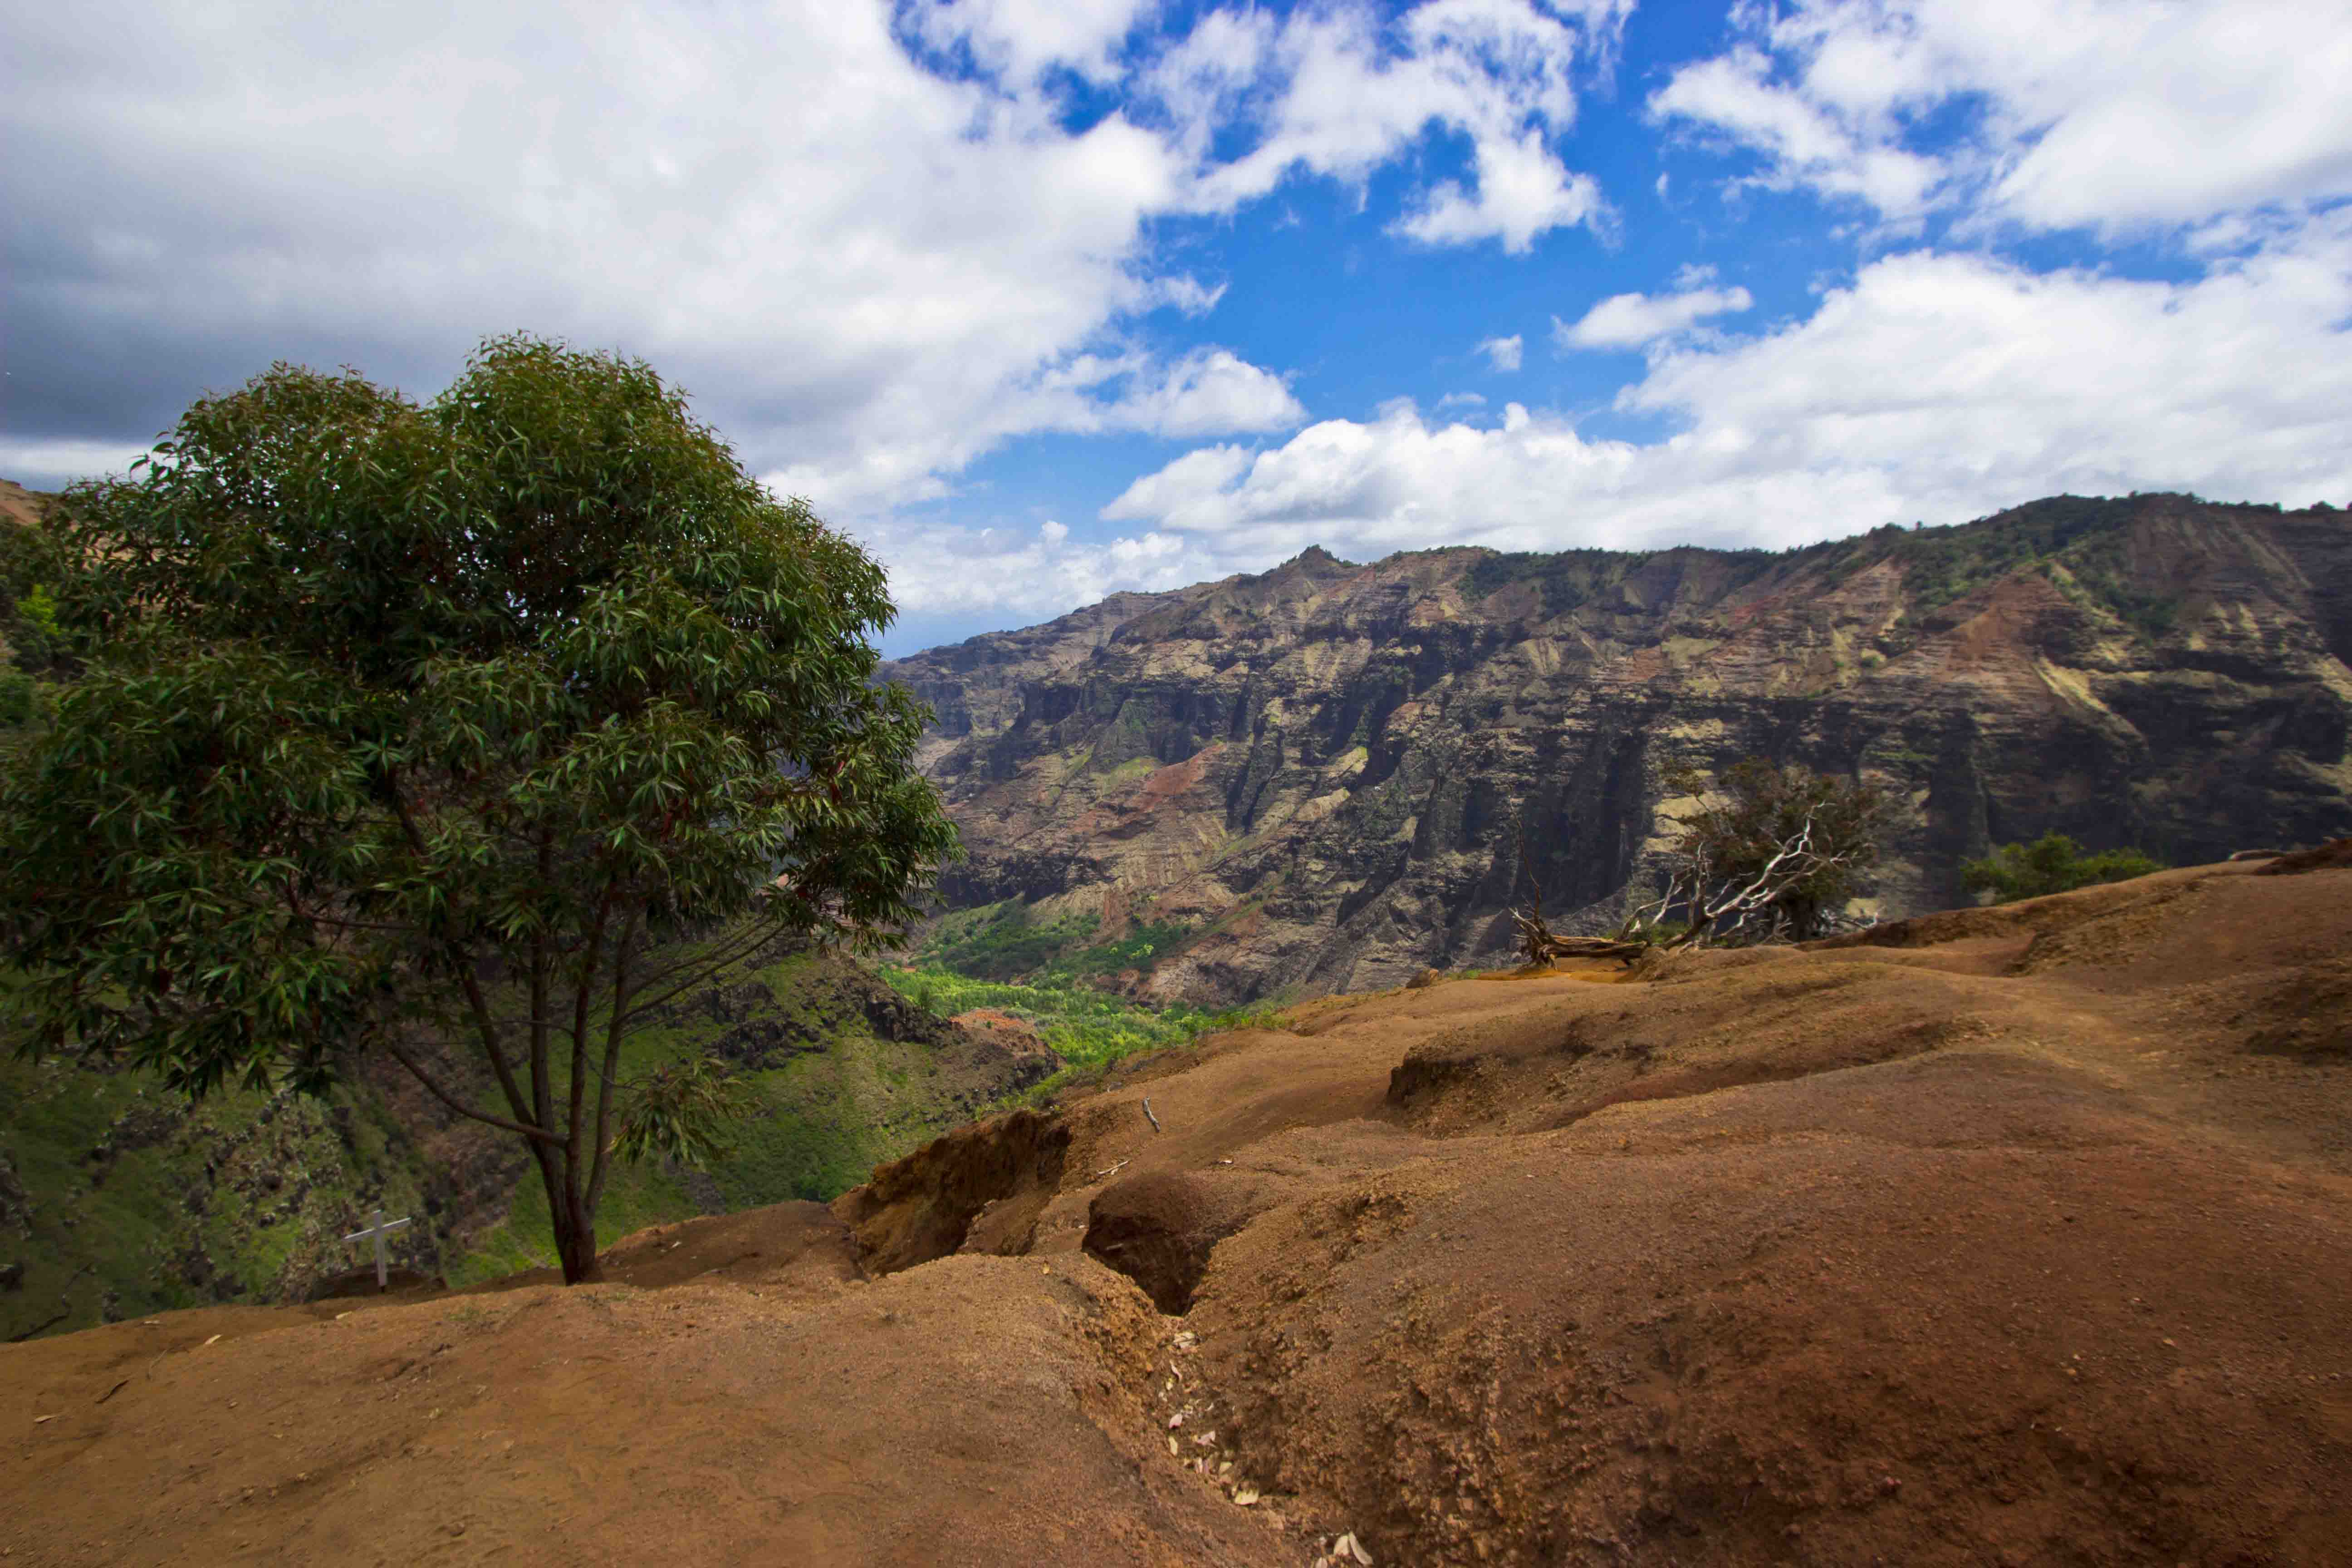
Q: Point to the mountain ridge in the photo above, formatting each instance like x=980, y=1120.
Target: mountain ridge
x=1321, y=772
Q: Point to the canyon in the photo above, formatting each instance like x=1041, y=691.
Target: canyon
x=1329, y=776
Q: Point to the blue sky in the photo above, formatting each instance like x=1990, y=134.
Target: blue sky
x=1048, y=298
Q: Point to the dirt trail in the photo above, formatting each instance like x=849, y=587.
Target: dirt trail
x=2017, y=1236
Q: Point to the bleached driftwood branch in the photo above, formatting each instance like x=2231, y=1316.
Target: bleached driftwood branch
x=1731, y=907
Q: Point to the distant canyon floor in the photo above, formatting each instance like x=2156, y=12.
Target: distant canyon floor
x=2014, y=1235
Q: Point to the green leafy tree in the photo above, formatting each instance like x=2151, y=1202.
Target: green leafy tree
x=1771, y=848
x=468, y=732
x=2050, y=864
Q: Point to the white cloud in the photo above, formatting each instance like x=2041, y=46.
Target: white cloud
x=1335, y=94
x=1184, y=294
x=1633, y=320
x=1935, y=386
x=1804, y=142
x=2083, y=112
x=1460, y=400
x=1207, y=392
x=869, y=273
x=939, y=572
x=1503, y=353
x=1020, y=39
x=1522, y=192
x=1968, y=383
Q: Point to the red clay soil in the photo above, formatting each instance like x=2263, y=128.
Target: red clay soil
x=2018, y=1235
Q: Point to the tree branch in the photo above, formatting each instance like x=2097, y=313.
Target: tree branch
x=697, y=972
x=581, y=1003
x=539, y=1134
x=484, y=1026
x=612, y=1035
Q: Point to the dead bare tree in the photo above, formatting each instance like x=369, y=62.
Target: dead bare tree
x=1751, y=907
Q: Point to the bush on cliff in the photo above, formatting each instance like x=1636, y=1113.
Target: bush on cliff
x=2052, y=864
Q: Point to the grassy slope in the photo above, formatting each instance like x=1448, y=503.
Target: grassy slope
x=134, y=1202
x=127, y=1200
x=829, y=1115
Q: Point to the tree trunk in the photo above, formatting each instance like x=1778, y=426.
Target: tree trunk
x=574, y=1223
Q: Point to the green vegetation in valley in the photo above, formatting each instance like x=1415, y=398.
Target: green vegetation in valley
x=2052, y=864
x=1005, y=942
x=1001, y=940
x=1090, y=1029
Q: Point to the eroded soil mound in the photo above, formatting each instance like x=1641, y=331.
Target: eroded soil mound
x=2017, y=1236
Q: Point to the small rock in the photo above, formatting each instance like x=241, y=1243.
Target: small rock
x=1245, y=1498
x=1347, y=1546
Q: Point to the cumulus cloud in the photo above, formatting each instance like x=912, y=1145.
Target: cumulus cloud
x=1804, y=143
x=1337, y=91
x=1021, y=39
x=869, y=265
x=2079, y=112
x=1634, y=320
x=942, y=573
x=1503, y=353
x=1206, y=392
x=1937, y=386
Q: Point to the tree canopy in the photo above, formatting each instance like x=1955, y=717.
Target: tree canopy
x=494, y=720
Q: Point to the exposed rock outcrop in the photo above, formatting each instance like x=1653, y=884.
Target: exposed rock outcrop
x=1324, y=774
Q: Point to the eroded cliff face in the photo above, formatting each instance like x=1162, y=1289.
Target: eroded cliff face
x=1324, y=775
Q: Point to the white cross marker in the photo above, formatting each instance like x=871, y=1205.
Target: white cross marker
x=376, y=1229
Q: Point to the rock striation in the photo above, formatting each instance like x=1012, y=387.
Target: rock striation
x=1331, y=776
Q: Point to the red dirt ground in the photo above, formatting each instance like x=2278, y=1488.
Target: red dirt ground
x=2017, y=1236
